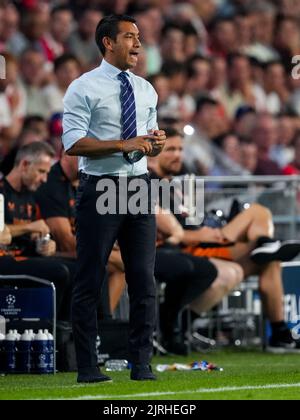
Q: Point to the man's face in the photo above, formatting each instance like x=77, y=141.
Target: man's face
x=88, y=23
x=240, y=71
x=32, y=67
x=68, y=72
x=61, y=25
x=126, y=48
x=34, y=174
x=170, y=159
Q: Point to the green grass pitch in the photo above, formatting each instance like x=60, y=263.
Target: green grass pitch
x=247, y=376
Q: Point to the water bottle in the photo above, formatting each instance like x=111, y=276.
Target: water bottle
x=40, y=352
x=31, y=333
x=41, y=242
x=24, y=357
x=2, y=354
x=10, y=352
x=50, y=354
x=116, y=365
x=17, y=335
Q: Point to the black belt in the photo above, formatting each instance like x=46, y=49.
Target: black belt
x=95, y=178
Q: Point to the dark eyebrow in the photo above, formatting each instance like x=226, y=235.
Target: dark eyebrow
x=132, y=33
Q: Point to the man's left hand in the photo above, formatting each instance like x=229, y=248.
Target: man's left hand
x=159, y=142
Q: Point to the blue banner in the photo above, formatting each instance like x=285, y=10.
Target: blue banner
x=27, y=303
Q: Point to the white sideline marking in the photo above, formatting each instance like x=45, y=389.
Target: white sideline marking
x=197, y=391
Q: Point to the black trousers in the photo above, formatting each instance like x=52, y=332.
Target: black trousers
x=96, y=235
x=186, y=278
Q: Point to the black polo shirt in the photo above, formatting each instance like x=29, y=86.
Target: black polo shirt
x=20, y=208
x=56, y=198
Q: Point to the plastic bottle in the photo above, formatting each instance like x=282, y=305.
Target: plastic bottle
x=116, y=365
x=10, y=352
x=40, y=352
x=50, y=356
x=17, y=335
x=2, y=354
x=24, y=357
x=41, y=242
x=31, y=333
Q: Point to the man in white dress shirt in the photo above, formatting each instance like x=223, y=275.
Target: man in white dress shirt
x=107, y=115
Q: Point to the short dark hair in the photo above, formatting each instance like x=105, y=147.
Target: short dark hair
x=109, y=26
x=172, y=132
x=203, y=101
x=65, y=58
x=34, y=151
x=59, y=9
x=236, y=56
x=33, y=119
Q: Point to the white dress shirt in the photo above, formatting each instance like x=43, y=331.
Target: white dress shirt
x=92, y=108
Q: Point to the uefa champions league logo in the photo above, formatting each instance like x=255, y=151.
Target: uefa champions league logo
x=10, y=300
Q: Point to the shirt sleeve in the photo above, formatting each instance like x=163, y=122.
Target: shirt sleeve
x=152, y=119
x=77, y=115
x=52, y=204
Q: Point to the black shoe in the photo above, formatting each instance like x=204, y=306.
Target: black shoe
x=142, y=373
x=84, y=378
x=283, y=342
x=269, y=250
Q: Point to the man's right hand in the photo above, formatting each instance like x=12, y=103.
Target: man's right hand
x=140, y=143
x=40, y=227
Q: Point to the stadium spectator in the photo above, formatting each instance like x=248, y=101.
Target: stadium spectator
x=9, y=31
x=294, y=167
x=240, y=89
x=265, y=135
x=275, y=85
x=13, y=101
x=82, y=41
x=66, y=69
x=172, y=43
x=150, y=23
x=223, y=37
x=180, y=103
x=249, y=156
x=199, y=152
x=34, y=26
x=33, y=76
x=287, y=40
x=230, y=147
x=60, y=28
x=199, y=72
x=283, y=152
x=244, y=122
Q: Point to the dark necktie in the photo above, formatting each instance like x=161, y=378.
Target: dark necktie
x=128, y=115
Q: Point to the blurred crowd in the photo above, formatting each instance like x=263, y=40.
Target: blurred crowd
x=222, y=69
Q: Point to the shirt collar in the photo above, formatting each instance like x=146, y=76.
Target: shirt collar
x=110, y=70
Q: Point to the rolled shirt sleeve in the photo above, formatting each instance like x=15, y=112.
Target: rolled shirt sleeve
x=77, y=115
x=152, y=119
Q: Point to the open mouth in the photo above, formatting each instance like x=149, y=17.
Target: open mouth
x=134, y=54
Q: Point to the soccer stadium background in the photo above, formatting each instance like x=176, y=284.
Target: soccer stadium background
x=227, y=74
